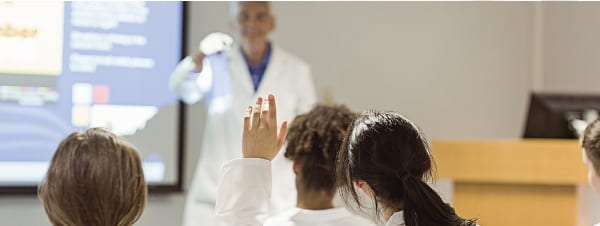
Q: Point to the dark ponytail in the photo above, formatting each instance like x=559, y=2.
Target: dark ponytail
x=388, y=152
x=423, y=206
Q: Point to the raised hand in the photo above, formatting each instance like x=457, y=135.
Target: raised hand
x=211, y=44
x=260, y=136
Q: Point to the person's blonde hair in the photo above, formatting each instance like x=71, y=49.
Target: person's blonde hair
x=95, y=179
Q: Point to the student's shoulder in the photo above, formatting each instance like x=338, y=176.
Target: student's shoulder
x=356, y=220
x=278, y=222
x=351, y=219
x=283, y=219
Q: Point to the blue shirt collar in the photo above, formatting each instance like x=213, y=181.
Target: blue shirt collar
x=257, y=72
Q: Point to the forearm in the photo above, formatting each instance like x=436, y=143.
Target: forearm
x=189, y=84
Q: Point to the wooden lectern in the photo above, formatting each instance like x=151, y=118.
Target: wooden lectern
x=521, y=182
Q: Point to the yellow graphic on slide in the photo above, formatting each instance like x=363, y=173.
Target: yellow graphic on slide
x=31, y=38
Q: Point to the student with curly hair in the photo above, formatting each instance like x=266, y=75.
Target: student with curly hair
x=95, y=179
x=313, y=140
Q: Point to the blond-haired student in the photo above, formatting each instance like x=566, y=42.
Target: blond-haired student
x=95, y=178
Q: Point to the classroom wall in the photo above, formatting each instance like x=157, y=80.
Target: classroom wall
x=571, y=49
x=444, y=65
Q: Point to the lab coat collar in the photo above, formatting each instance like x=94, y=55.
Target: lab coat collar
x=240, y=68
x=397, y=219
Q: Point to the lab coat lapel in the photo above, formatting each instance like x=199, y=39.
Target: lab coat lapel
x=239, y=68
x=272, y=72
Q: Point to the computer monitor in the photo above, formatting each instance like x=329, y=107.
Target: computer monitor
x=550, y=113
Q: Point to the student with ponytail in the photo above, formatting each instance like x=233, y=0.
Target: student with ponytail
x=386, y=157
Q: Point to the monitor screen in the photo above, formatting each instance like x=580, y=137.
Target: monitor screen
x=549, y=114
x=69, y=66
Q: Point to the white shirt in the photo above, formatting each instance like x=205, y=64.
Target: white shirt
x=397, y=219
x=243, y=200
x=329, y=217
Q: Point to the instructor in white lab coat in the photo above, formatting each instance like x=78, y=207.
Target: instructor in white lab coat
x=230, y=80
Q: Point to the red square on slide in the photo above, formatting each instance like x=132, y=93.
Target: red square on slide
x=101, y=94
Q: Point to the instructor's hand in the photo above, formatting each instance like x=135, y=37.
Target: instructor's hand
x=260, y=136
x=211, y=44
x=197, y=59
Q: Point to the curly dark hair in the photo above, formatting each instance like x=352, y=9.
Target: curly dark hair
x=313, y=141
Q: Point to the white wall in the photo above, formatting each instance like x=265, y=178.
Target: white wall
x=571, y=47
x=441, y=64
x=459, y=69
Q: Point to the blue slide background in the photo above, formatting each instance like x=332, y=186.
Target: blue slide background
x=30, y=133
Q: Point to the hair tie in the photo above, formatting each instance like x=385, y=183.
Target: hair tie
x=402, y=175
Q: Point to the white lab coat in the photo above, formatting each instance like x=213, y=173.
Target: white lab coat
x=243, y=200
x=227, y=96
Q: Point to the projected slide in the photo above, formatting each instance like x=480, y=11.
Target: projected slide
x=31, y=38
x=67, y=66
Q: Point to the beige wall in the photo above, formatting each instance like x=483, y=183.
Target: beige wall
x=571, y=47
x=459, y=69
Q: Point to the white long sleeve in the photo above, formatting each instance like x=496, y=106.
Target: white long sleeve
x=244, y=193
x=189, y=85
